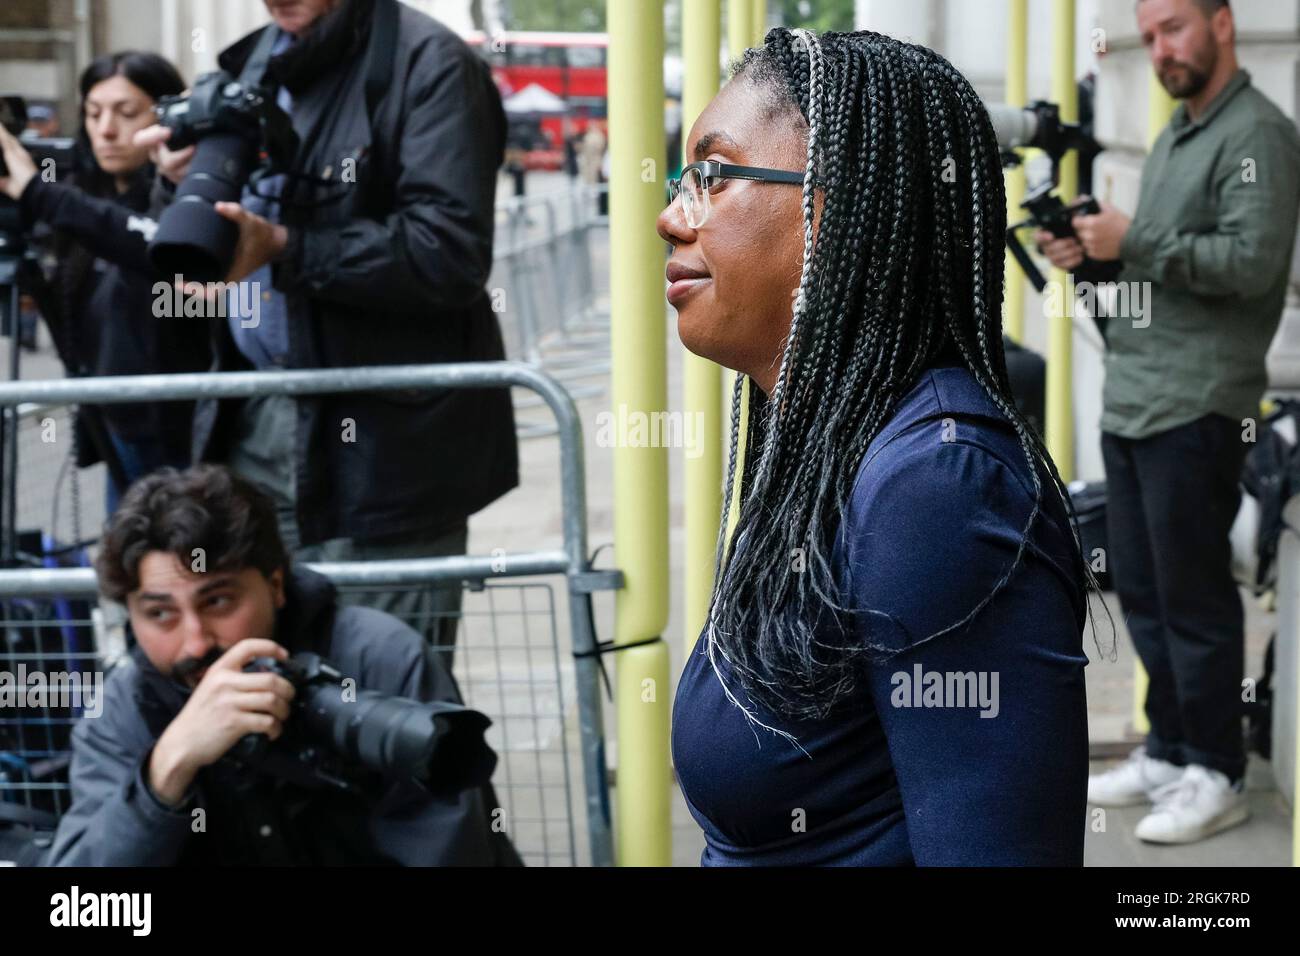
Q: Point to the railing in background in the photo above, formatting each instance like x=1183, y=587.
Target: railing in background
x=30, y=596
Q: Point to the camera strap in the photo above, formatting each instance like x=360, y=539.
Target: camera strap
x=255, y=67
x=382, y=55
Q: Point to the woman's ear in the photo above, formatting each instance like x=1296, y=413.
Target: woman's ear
x=277, y=587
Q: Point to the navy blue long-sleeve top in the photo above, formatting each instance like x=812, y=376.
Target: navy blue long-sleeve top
x=995, y=776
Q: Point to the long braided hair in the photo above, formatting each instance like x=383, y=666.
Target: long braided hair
x=907, y=263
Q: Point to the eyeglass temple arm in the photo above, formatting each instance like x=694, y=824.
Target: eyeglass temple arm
x=759, y=173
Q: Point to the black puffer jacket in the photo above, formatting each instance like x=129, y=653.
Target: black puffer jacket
x=393, y=272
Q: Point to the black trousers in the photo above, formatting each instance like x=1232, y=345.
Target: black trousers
x=1171, y=501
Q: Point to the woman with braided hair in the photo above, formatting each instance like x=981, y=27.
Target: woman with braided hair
x=892, y=667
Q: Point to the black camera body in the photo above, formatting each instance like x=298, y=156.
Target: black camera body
x=55, y=153
x=1046, y=211
x=337, y=732
x=236, y=127
x=219, y=103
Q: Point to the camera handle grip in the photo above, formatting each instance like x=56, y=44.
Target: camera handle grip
x=1021, y=254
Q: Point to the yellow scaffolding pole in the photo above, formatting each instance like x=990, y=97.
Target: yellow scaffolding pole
x=702, y=471
x=760, y=22
x=1016, y=95
x=1160, y=106
x=639, y=384
x=1060, y=411
x=740, y=30
x=740, y=27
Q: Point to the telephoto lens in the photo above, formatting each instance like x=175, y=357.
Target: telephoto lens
x=232, y=125
x=438, y=744
x=193, y=239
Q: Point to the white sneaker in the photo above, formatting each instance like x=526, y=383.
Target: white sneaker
x=1199, y=803
x=1131, y=782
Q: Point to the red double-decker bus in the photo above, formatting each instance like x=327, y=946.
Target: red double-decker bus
x=571, y=66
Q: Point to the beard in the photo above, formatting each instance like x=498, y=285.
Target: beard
x=186, y=669
x=1182, y=80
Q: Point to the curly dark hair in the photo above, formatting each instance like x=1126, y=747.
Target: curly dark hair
x=207, y=507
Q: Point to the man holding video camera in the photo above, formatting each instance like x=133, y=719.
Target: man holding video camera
x=1212, y=236
x=373, y=249
x=205, y=754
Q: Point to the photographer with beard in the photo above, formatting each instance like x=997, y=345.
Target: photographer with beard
x=373, y=250
x=1212, y=236
x=153, y=780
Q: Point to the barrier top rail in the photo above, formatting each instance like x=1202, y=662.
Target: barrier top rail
x=122, y=389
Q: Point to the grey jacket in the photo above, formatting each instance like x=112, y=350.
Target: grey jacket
x=115, y=820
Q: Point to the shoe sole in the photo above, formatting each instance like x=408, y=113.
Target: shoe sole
x=1116, y=803
x=1229, y=818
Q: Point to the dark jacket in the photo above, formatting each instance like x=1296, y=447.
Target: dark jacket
x=115, y=820
x=99, y=305
x=393, y=272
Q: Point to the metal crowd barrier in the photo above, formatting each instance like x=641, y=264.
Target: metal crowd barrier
x=509, y=661
x=552, y=312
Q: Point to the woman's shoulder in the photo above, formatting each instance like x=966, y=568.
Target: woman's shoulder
x=947, y=432
x=943, y=498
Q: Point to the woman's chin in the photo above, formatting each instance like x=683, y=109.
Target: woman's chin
x=701, y=340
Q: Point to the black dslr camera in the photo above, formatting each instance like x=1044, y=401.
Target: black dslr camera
x=1046, y=211
x=336, y=730
x=55, y=154
x=238, y=129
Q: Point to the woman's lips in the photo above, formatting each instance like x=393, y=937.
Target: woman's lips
x=683, y=281
x=682, y=288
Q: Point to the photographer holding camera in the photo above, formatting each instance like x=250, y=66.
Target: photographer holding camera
x=165, y=775
x=1212, y=235
x=99, y=300
x=373, y=249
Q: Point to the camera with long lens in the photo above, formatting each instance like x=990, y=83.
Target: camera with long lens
x=53, y=157
x=238, y=129
x=1039, y=126
x=336, y=730
x=1036, y=126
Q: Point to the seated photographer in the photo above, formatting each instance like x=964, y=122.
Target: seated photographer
x=99, y=300
x=373, y=249
x=160, y=777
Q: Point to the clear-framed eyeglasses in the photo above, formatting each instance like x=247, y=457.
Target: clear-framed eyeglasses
x=698, y=178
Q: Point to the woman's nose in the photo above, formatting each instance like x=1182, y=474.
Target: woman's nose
x=672, y=226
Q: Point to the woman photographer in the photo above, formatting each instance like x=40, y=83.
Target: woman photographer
x=99, y=300
x=891, y=671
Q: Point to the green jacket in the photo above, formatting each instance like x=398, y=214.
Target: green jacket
x=1213, y=235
